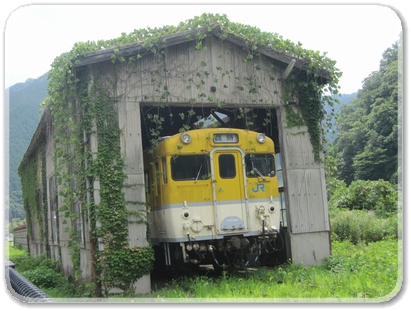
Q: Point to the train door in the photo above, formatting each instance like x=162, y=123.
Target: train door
x=229, y=191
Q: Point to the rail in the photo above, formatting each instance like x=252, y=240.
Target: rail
x=23, y=287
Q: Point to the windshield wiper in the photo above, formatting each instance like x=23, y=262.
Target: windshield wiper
x=257, y=171
x=198, y=174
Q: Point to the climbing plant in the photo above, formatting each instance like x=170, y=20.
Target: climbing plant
x=92, y=111
x=32, y=172
x=30, y=183
x=84, y=104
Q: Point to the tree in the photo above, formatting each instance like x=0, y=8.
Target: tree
x=379, y=196
x=367, y=141
x=351, y=139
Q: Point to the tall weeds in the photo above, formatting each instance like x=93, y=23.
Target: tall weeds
x=362, y=226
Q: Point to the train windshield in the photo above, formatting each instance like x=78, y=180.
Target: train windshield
x=192, y=167
x=260, y=165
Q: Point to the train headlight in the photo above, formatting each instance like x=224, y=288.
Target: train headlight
x=185, y=138
x=272, y=208
x=261, y=138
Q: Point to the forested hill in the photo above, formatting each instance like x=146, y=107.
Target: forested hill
x=24, y=100
x=344, y=99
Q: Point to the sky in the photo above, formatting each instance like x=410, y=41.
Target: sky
x=353, y=35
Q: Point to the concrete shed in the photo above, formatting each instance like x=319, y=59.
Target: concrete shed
x=192, y=73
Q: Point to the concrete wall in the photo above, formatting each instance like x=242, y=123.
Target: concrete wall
x=20, y=237
x=305, y=195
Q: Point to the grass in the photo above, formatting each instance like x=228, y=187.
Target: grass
x=355, y=272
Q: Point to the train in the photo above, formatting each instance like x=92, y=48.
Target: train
x=213, y=198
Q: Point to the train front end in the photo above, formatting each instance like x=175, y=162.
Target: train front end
x=219, y=203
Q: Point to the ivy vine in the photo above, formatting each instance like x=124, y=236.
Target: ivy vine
x=30, y=183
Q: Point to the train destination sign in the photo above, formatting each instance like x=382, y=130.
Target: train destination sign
x=225, y=138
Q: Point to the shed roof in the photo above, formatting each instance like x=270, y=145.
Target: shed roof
x=21, y=227
x=187, y=36
x=38, y=136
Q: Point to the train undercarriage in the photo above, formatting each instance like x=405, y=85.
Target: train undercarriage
x=227, y=254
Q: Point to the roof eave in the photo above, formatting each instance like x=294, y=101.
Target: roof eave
x=187, y=36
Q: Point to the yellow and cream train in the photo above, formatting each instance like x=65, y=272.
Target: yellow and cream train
x=213, y=197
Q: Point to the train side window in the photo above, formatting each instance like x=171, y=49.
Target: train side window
x=226, y=165
x=158, y=177
x=164, y=164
